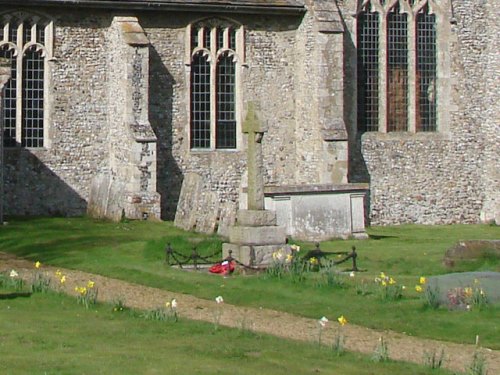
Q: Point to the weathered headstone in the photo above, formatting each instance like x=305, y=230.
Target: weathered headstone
x=255, y=236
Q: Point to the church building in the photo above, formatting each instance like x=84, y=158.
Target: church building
x=372, y=111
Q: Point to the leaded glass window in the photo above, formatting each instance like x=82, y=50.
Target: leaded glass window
x=25, y=41
x=426, y=70
x=368, y=69
x=214, y=66
x=397, y=66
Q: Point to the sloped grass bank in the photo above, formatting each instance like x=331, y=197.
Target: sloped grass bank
x=50, y=334
x=134, y=252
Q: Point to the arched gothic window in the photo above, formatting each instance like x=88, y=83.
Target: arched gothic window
x=25, y=40
x=397, y=66
x=215, y=56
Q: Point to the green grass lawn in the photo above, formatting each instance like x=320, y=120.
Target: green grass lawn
x=49, y=333
x=134, y=251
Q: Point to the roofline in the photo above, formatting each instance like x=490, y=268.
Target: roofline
x=172, y=6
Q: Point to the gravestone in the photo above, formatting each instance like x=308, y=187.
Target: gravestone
x=255, y=236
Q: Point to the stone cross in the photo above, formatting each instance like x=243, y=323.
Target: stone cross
x=253, y=128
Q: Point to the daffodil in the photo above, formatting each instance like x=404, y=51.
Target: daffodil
x=422, y=280
x=468, y=292
x=90, y=284
x=38, y=264
x=174, y=303
x=289, y=258
x=295, y=247
x=313, y=261
x=342, y=320
x=167, y=304
x=352, y=274
x=384, y=283
x=392, y=281
x=58, y=273
x=219, y=299
x=63, y=279
x=13, y=274
x=418, y=288
x=322, y=322
x=382, y=275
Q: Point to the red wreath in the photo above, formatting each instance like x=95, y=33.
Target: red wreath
x=223, y=268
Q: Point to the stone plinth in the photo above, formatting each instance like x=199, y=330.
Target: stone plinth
x=255, y=237
x=251, y=255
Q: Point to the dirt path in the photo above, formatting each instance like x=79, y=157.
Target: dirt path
x=360, y=339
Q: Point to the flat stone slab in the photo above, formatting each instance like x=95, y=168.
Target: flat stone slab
x=488, y=281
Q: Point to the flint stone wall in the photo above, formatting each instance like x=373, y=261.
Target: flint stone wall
x=451, y=176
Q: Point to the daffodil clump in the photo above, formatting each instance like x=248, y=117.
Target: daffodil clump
x=322, y=323
x=167, y=313
x=430, y=293
x=467, y=298
x=87, y=295
x=388, y=288
x=11, y=280
x=41, y=282
x=338, y=345
x=219, y=303
x=284, y=262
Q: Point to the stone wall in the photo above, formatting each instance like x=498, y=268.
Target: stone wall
x=56, y=180
x=448, y=176
x=303, y=78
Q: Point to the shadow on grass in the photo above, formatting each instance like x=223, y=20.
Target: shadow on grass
x=15, y=295
x=379, y=237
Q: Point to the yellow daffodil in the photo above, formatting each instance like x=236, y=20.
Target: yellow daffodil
x=313, y=261
x=468, y=292
x=63, y=279
x=289, y=258
x=392, y=281
x=90, y=284
x=342, y=320
x=422, y=280
x=382, y=275
x=295, y=248
x=38, y=264
x=384, y=283
x=58, y=273
x=418, y=288
x=167, y=304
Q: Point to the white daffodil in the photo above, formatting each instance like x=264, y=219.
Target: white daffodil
x=219, y=299
x=174, y=303
x=13, y=274
x=352, y=274
x=322, y=322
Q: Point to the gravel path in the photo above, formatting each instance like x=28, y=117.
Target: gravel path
x=360, y=339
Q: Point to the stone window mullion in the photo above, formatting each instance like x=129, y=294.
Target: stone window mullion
x=213, y=85
x=382, y=94
x=412, y=75
x=19, y=83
